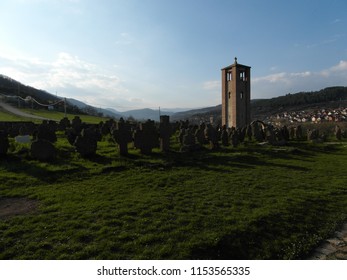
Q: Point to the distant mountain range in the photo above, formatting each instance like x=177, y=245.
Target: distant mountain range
x=331, y=96
x=138, y=114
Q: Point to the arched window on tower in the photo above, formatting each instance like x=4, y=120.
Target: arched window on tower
x=229, y=76
x=243, y=76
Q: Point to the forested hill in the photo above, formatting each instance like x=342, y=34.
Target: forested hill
x=328, y=98
x=262, y=108
x=305, y=98
x=9, y=86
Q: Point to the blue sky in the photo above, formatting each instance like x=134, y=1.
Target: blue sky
x=129, y=54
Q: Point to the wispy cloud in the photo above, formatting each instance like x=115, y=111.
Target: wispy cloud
x=333, y=39
x=67, y=74
x=284, y=82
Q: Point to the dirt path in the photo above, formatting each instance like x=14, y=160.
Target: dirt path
x=16, y=206
x=334, y=248
x=18, y=112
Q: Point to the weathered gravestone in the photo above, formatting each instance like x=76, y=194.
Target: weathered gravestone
x=165, y=132
x=211, y=136
x=292, y=132
x=338, y=133
x=285, y=133
x=299, y=135
x=281, y=135
x=183, y=125
x=225, y=136
x=46, y=131
x=64, y=123
x=270, y=134
x=313, y=135
x=258, y=131
x=71, y=135
x=242, y=133
x=249, y=132
x=76, y=124
x=234, y=136
x=122, y=135
x=4, y=143
x=86, y=143
x=200, y=134
x=106, y=127
x=43, y=150
x=146, y=137
x=188, y=142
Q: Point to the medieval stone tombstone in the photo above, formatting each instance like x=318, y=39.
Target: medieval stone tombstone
x=165, y=132
x=183, y=125
x=76, y=124
x=92, y=131
x=242, y=133
x=189, y=143
x=200, y=134
x=225, y=136
x=4, y=143
x=46, y=131
x=258, y=132
x=285, y=133
x=106, y=127
x=64, y=123
x=292, y=132
x=338, y=133
x=270, y=134
x=281, y=135
x=234, y=136
x=146, y=137
x=249, y=132
x=43, y=150
x=23, y=130
x=71, y=135
x=299, y=135
x=312, y=135
x=86, y=144
x=122, y=135
x=211, y=136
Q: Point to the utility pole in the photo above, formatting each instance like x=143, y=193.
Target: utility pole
x=18, y=96
x=65, y=107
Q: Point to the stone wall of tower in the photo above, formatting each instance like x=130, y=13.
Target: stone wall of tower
x=224, y=97
x=236, y=90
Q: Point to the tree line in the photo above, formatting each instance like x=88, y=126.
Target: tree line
x=305, y=98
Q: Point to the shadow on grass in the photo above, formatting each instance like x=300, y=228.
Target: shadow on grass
x=291, y=233
x=210, y=161
x=40, y=170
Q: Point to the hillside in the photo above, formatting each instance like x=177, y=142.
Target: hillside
x=10, y=87
x=331, y=97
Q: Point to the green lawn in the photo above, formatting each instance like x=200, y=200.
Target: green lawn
x=4, y=116
x=253, y=202
x=53, y=115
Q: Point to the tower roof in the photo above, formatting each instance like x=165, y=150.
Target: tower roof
x=235, y=64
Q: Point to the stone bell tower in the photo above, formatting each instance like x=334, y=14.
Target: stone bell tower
x=236, y=95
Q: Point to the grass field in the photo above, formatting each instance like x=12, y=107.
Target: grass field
x=252, y=202
x=4, y=116
x=53, y=115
